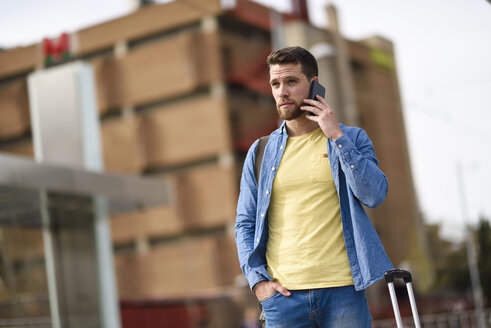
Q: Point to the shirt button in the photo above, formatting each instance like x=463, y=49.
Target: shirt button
x=273, y=168
x=281, y=147
x=262, y=215
x=352, y=166
x=267, y=192
x=340, y=146
x=257, y=240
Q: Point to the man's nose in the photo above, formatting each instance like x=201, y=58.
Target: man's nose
x=283, y=91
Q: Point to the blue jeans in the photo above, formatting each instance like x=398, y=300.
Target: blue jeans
x=335, y=307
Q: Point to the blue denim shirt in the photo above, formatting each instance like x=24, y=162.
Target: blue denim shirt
x=358, y=181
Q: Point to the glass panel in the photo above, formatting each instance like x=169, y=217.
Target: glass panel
x=23, y=285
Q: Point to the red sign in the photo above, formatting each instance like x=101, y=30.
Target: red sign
x=56, y=50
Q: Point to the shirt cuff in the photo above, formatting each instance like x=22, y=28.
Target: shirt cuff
x=344, y=142
x=254, y=278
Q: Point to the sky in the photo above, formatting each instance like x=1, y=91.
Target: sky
x=442, y=52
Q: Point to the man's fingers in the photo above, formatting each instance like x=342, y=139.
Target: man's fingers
x=281, y=289
x=310, y=101
x=311, y=109
x=318, y=99
x=321, y=100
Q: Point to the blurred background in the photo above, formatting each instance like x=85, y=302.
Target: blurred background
x=124, y=126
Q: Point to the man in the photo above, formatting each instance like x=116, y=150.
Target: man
x=304, y=241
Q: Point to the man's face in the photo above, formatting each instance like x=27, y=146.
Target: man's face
x=289, y=87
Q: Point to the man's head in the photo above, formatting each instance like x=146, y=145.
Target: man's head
x=295, y=55
x=291, y=72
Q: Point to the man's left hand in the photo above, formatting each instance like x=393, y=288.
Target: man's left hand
x=324, y=116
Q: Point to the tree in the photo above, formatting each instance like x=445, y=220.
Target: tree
x=450, y=263
x=484, y=258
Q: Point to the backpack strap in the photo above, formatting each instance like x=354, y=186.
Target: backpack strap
x=259, y=156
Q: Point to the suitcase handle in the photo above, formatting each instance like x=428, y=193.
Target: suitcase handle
x=398, y=274
x=406, y=276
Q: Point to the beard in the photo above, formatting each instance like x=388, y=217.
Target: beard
x=290, y=113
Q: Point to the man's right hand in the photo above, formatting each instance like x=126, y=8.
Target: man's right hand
x=265, y=289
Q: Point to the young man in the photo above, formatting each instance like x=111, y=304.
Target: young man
x=304, y=241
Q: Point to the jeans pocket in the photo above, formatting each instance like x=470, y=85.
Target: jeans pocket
x=269, y=299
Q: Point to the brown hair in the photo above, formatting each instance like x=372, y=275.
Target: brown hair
x=295, y=55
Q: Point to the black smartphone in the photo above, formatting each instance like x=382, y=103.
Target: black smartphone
x=316, y=89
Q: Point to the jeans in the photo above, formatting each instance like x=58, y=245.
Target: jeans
x=334, y=307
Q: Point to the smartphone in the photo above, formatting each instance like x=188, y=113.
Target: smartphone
x=316, y=89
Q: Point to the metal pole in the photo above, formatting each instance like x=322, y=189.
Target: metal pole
x=395, y=305
x=49, y=255
x=108, y=289
x=414, y=308
x=471, y=253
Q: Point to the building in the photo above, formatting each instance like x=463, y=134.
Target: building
x=182, y=92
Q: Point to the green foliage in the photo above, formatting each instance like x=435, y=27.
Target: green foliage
x=450, y=260
x=483, y=240
x=454, y=272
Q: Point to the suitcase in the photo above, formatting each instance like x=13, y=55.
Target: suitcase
x=390, y=276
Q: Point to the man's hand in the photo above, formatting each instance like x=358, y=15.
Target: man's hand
x=265, y=289
x=324, y=116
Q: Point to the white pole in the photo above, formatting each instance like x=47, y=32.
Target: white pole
x=54, y=306
x=471, y=253
x=277, y=37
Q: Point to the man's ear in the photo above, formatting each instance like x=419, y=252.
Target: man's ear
x=316, y=78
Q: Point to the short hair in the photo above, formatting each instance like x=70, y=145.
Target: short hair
x=295, y=55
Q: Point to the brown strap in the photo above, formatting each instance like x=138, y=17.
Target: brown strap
x=259, y=156
x=261, y=145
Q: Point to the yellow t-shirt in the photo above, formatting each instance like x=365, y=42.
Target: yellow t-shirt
x=306, y=247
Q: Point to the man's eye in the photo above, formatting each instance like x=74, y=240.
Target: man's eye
x=292, y=81
x=275, y=84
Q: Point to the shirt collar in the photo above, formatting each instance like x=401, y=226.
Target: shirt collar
x=283, y=127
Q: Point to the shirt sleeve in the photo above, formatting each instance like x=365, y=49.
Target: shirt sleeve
x=245, y=225
x=360, y=166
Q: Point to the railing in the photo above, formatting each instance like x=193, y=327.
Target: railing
x=461, y=319
x=41, y=322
